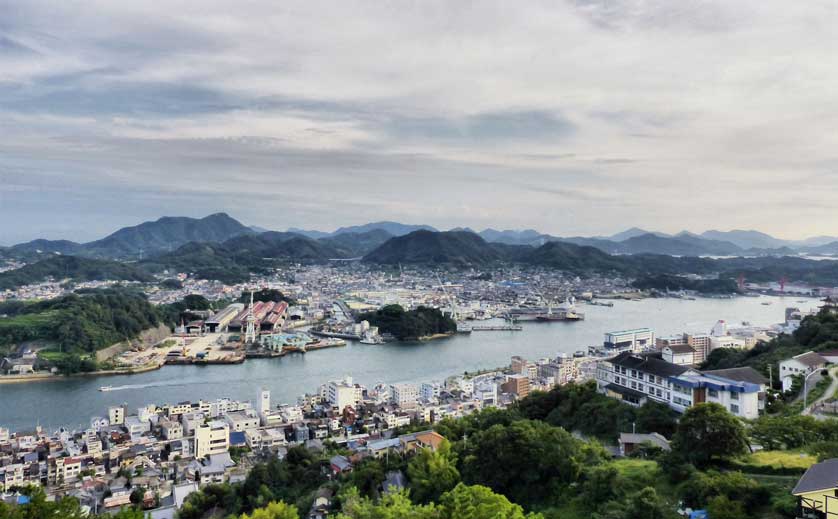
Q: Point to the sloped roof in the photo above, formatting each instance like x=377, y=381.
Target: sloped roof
x=820, y=476
x=745, y=374
x=810, y=358
x=648, y=364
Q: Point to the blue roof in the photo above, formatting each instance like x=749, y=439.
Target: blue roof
x=23, y=500
x=237, y=439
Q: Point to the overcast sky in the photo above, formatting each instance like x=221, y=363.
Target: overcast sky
x=575, y=118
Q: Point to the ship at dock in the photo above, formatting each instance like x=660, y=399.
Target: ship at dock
x=564, y=312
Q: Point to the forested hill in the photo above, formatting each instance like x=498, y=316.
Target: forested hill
x=411, y=324
x=72, y=267
x=428, y=247
x=79, y=322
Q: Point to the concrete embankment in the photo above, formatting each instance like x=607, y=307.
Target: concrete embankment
x=147, y=338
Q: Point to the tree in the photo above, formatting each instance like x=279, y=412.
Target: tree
x=529, y=462
x=646, y=504
x=600, y=485
x=656, y=417
x=479, y=502
x=720, y=507
x=395, y=505
x=274, y=510
x=433, y=473
x=708, y=433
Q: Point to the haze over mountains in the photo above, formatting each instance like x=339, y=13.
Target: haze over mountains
x=219, y=247
x=167, y=234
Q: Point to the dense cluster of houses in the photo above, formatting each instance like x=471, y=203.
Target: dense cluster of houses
x=159, y=454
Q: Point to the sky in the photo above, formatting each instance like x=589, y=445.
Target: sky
x=578, y=117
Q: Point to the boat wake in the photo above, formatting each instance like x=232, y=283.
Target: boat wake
x=129, y=387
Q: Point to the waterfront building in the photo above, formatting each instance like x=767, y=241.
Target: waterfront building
x=342, y=393
x=116, y=415
x=635, y=340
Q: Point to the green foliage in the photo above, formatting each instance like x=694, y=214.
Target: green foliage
x=291, y=480
x=671, y=282
x=791, y=432
x=411, y=324
x=580, y=407
x=479, y=502
x=274, y=510
x=394, y=505
x=433, y=473
x=720, y=507
x=83, y=322
x=704, y=486
x=172, y=314
x=266, y=295
x=707, y=433
x=817, y=332
x=528, y=461
x=76, y=268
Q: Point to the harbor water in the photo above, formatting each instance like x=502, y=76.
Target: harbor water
x=73, y=401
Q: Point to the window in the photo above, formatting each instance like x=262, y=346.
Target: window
x=734, y=408
x=734, y=395
x=682, y=401
x=713, y=393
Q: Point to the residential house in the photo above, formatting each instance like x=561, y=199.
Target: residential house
x=817, y=491
x=802, y=364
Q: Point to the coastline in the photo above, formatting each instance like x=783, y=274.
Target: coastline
x=43, y=377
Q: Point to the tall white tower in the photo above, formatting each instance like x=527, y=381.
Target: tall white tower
x=250, y=333
x=263, y=402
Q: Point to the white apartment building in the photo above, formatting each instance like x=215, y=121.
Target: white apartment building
x=430, y=391
x=404, y=395
x=212, y=438
x=635, y=340
x=637, y=378
x=241, y=421
x=342, y=393
x=116, y=415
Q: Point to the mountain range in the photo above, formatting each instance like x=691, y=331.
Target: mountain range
x=219, y=247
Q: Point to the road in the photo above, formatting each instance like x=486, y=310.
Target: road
x=830, y=392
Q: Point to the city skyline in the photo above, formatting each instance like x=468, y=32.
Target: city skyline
x=575, y=118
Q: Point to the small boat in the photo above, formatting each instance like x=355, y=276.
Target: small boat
x=106, y=388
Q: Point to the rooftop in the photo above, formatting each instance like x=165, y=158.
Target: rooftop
x=648, y=364
x=820, y=476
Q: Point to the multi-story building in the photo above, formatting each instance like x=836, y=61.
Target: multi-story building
x=636, y=340
x=636, y=379
x=341, y=393
x=430, y=391
x=517, y=384
x=241, y=421
x=681, y=354
x=404, y=395
x=212, y=438
x=116, y=415
x=171, y=430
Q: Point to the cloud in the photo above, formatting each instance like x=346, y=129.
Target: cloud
x=576, y=117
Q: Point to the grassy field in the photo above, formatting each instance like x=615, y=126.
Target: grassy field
x=776, y=463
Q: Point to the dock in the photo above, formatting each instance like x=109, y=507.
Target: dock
x=497, y=328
